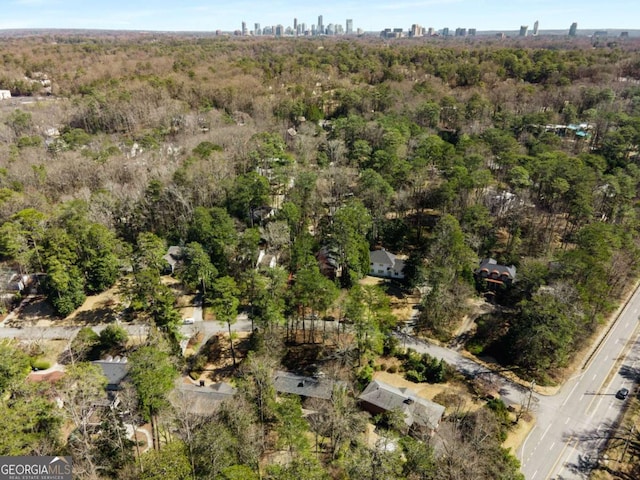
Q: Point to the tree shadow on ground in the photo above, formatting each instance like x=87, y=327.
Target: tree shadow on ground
x=96, y=316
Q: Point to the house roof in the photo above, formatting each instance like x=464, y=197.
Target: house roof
x=287, y=382
x=115, y=369
x=203, y=400
x=491, y=265
x=174, y=253
x=382, y=256
x=416, y=409
x=50, y=377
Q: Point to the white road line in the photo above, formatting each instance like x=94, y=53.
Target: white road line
x=545, y=432
x=606, y=358
x=594, y=376
x=552, y=445
x=570, y=393
x=567, y=420
x=597, y=407
x=534, y=475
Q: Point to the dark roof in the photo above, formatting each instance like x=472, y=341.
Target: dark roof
x=204, y=400
x=382, y=256
x=416, y=409
x=287, y=382
x=490, y=265
x=115, y=370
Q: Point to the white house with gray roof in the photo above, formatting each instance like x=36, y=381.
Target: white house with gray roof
x=383, y=263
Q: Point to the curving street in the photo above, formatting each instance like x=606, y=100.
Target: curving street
x=571, y=426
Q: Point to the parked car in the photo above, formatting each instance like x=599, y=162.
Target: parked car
x=622, y=393
x=188, y=321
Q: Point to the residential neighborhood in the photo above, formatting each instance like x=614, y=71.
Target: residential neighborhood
x=326, y=256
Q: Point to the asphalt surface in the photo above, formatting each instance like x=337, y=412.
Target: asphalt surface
x=571, y=426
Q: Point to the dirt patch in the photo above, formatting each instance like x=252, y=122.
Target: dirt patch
x=32, y=310
x=96, y=309
x=221, y=368
x=402, y=303
x=369, y=280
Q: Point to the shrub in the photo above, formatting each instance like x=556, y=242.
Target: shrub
x=392, y=369
x=40, y=364
x=365, y=375
x=475, y=348
x=413, y=376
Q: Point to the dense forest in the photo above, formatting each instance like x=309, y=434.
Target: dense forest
x=445, y=152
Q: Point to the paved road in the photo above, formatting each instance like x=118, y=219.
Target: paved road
x=570, y=427
x=573, y=425
x=510, y=392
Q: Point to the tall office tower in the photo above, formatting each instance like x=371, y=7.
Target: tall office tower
x=295, y=26
x=314, y=30
x=256, y=29
x=472, y=32
x=279, y=30
x=320, y=30
x=535, y=28
x=524, y=29
x=349, y=26
x=573, y=29
x=445, y=32
x=303, y=28
x=431, y=32
x=244, y=29
x=416, y=31
x=331, y=30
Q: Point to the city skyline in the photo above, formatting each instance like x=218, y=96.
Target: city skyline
x=373, y=15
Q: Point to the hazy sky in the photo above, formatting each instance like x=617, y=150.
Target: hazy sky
x=371, y=15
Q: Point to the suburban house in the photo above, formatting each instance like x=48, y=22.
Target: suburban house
x=173, y=257
x=419, y=413
x=307, y=387
x=201, y=399
x=383, y=263
x=492, y=272
x=328, y=262
x=115, y=369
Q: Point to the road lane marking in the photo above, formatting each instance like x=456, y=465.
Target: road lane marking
x=567, y=420
x=534, y=475
x=553, y=468
x=594, y=376
x=570, y=393
x=545, y=432
x=597, y=407
x=571, y=454
x=552, y=445
x=525, y=441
